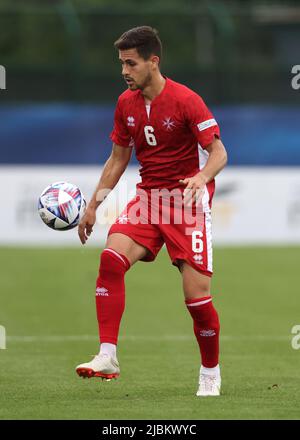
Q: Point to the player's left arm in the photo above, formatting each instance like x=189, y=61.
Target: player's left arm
x=205, y=128
x=216, y=162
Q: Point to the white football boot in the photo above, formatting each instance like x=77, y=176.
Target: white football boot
x=102, y=365
x=209, y=384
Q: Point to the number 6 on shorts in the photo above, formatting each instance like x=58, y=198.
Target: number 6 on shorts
x=197, y=242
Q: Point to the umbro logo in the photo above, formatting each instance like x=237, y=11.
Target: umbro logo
x=101, y=291
x=130, y=121
x=207, y=333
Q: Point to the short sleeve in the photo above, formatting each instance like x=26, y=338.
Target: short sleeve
x=201, y=121
x=120, y=134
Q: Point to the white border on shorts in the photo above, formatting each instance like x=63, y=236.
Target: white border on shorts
x=203, y=156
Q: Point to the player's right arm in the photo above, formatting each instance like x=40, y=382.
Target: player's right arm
x=112, y=171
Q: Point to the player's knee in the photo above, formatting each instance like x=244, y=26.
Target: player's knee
x=112, y=263
x=196, y=289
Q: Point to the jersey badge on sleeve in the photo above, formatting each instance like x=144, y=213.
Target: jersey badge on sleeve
x=206, y=124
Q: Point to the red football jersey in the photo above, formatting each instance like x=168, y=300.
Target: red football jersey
x=169, y=142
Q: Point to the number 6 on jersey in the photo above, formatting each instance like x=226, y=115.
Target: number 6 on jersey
x=149, y=134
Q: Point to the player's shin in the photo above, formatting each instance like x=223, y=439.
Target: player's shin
x=110, y=298
x=206, y=329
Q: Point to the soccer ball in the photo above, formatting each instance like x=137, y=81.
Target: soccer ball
x=61, y=206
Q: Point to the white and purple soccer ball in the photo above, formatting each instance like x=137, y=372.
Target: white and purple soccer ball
x=61, y=206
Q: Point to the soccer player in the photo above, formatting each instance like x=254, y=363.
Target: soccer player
x=177, y=142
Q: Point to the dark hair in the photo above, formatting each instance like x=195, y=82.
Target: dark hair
x=144, y=39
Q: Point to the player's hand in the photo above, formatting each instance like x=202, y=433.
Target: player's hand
x=194, y=189
x=86, y=224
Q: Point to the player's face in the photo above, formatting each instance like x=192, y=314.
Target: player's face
x=136, y=71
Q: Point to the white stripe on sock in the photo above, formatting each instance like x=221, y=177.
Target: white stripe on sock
x=200, y=303
x=115, y=253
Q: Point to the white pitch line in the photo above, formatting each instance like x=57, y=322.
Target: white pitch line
x=175, y=338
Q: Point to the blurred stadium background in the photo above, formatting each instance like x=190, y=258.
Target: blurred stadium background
x=56, y=113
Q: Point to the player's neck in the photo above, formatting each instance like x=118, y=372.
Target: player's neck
x=154, y=88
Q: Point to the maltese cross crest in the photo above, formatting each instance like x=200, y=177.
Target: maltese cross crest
x=168, y=124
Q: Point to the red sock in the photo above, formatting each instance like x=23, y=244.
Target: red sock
x=206, y=329
x=110, y=294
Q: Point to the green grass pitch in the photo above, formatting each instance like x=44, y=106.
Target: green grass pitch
x=47, y=308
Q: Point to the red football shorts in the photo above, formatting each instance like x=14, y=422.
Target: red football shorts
x=152, y=220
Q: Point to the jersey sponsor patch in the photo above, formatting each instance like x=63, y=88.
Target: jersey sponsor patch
x=206, y=124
